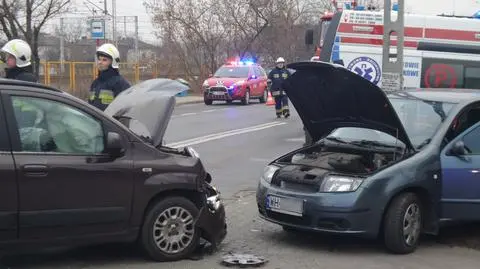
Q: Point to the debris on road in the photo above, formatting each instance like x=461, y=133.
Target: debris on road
x=243, y=260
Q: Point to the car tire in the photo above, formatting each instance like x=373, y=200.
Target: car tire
x=246, y=98
x=207, y=101
x=264, y=97
x=403, y=224
x=184, y=234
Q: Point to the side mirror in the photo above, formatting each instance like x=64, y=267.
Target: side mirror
x=210, y=75
x=458, y=149
x=309, y=37
x=114, y=144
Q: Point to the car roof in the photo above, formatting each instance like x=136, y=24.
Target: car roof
x=442, y=95
x=26, y=84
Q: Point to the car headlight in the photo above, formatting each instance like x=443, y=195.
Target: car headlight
x=336, y=183
x=205, y=84
x=268, y=172
x=239, y=83
x=193, y=152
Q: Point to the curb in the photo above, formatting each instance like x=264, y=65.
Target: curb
x=189, y=102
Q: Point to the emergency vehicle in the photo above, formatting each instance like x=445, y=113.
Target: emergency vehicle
x=439, y=51
x=236, y=80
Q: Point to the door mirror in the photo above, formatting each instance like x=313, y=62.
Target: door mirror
x=309, y=37
x=114, y=144
x=210, y=75
x=458, y=149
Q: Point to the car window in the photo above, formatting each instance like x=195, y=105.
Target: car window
x=50, y=126
x=4, y=141
x=472, y=142
x=232, y=72
x=352, y=134
x=420, y=118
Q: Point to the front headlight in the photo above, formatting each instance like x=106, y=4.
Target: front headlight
x=239, y=83
x=268, y=173
x=214, y=202
x=205, y=84
x=193, y=152
x=336, y=183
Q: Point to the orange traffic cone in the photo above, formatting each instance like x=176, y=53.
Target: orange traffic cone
x=270, y=101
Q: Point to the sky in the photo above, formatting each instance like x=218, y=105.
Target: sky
x=136, y=8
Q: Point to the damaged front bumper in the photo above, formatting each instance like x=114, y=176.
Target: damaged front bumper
x=212, y=219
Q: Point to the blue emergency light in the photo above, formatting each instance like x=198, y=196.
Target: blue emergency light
x=476, y=15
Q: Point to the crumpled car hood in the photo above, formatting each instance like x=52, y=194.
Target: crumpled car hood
x=146, y=108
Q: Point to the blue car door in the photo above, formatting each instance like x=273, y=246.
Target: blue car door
x=461, y=176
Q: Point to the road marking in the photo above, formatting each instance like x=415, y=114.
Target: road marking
x=188, y=114
x=298, y=139
x=211, y=110
x=261, y=160
x=206, y=138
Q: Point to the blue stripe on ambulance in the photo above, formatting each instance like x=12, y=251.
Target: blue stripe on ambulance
x=336, y=49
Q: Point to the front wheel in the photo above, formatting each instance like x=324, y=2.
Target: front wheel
x=169, y=232
x=207, y=101
x=246, y=98
x=403, y=224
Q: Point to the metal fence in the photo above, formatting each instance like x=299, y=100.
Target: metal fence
x=76, y=77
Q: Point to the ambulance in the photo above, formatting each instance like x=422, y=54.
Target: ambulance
x=439, y=51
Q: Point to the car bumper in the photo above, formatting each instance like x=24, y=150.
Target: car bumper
x=212, y=220
x=336, y=213
x=224, y=96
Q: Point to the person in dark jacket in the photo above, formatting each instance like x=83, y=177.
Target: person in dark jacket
x=109, y=82
x=17, y=54
x=277, y=76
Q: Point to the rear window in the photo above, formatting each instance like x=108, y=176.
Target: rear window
x=232, y=72
x=442, y=73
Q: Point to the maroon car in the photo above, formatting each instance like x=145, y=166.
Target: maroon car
x=74, y=175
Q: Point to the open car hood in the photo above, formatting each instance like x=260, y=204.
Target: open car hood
x=146, y=108
x=328, y=96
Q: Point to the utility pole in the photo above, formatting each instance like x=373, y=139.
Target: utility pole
x=392, y=77
x=114, y=15
x=62, y=46
x=136, y=39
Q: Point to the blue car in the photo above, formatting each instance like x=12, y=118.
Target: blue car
x=392, y=166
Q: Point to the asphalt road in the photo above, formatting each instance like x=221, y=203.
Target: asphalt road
x=235, y=143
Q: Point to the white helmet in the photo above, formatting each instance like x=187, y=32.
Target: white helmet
x=110, y=51
x=280, y=60
x=20, y=50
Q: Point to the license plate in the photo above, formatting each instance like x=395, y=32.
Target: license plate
x=285, y=205
x=218, y=93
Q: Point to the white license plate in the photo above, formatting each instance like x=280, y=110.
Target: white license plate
x=218, y=93
x=285, y=205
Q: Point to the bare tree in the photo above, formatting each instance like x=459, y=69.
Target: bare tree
x=25, y=19
x=72, y=30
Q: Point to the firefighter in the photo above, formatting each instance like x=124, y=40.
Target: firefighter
x=277, y=76
x=17, y=56
x=109, y=82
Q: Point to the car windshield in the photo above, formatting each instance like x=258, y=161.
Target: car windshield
x=420, y=118
x=367, y=137
x=232, y=72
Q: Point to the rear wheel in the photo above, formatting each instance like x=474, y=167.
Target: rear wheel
x=264, y=97
x=169, y=232
x=403, y=224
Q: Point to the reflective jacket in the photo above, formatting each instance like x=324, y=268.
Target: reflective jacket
x=106, y=87
x=277, y=76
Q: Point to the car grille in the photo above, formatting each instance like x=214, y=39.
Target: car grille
x=218, y=92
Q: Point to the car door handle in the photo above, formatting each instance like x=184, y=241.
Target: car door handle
x=38, y=170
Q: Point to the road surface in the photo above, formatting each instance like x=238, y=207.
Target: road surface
x=235, y=143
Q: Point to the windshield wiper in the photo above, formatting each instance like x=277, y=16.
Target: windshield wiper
x=373, y=143
x=424, y=143
x=336, y=139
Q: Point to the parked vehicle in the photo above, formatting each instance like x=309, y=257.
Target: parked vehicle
x=74, y=175
x=237, y=80
x=383, y=165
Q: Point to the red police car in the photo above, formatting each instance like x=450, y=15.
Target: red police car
x=237, y=80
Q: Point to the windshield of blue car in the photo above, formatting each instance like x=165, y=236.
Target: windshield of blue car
x=420, y=118
x=232, y=72
x=367, y=137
